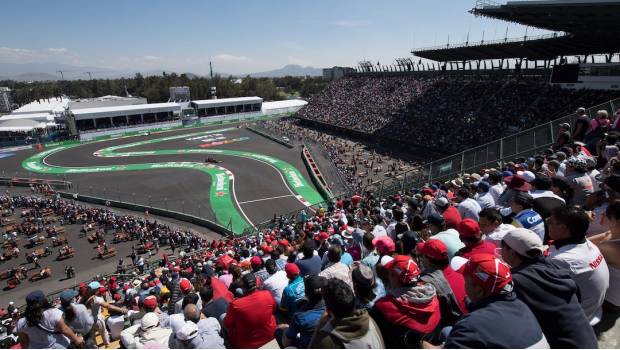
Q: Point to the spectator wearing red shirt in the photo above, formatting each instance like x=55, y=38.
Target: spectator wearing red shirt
x=410, y=308
x=450, y=214
x=470, y=235
x=450, y=285
x=249, y=321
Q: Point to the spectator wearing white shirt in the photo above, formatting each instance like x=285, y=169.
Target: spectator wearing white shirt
x=583, y=260
x=276, y=282
x=497, y=187
x=492, y=227
x=484, y=197
x=468, y=208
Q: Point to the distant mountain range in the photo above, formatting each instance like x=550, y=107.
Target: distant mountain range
x=289, y=70
x=50, y=71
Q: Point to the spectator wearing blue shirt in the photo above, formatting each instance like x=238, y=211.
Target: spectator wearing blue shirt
x=525, y=216
x=303, y=324
x=310, y=264
x=294, y=292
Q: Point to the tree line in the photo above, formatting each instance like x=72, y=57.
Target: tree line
x=156, y=88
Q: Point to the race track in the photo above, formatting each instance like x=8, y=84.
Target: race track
x=254, y=178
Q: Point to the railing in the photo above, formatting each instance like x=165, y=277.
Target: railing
x=493, y=42
x=490, y=155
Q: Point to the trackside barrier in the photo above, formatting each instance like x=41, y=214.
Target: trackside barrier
x=25, y=182
x=152, y=210
x=315, y=173
x=490, y=155
x=272, y=138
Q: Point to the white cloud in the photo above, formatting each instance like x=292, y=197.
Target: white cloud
x=151, y=58
x=298, y=61
x=57, y=49
x=345, y=23
x=225, y=57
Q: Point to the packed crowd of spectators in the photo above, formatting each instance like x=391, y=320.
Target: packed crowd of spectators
x=358, y=164
x=521, y=256
x=365, y=104
x=444, y=113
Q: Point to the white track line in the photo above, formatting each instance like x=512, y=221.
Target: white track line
x=266, y=199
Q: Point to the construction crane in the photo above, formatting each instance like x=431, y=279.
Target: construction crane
x=90, y=75
x=62, y=77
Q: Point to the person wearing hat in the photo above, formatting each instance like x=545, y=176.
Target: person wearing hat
x=250, y=322
x=580, y=257
x=185, y=287
x=43, y=325
x=344, y=326
x=514, y=184
x=496, y=318
x=147, y=333
x=258, y=268
x=450, y=286
x=576, y=168
x=77, y=316
x=368, y=289
x=294, y=291
x=95, y=302
x=549, y=292
x=335, y=268
x=384, y=245
x=303, y=324
x=450, y=214
x=525, y=216
x=471, y=236
x=310, y=262
x=410, y=307
x=192, y=336
x=467, y=207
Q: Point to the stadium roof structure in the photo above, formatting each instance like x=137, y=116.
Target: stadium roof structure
x=21, y=125
x=582, y=27
x=221, y=102
x=51, y=105
x=113, y=111
x=40, y=117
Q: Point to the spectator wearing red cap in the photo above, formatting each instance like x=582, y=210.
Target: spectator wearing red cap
x=294, y=291
x=450, y=286
x=185, y=287
x=496, y=319
x=259, y=270
x=470, y=235
x=548, y=291
x=410, y=307
x=384, y=245
x=250, y=322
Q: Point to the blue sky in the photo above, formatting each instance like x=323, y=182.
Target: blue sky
x=239, y=36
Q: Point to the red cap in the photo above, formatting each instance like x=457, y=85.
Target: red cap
x=113, y=278
x=486, y=271
x=177, y=269
x=185, y=285
x=256, y=261
x=150, y=302
x=284, y=242
x=268, y=249
x=151, y=284
x=125, y=287
x=102, y=290
x=323, y=235
x=116, y=297
x=292, y=270
x=427, y=192
x=309, y=225
x=82, y=285
x=469, y=228
x=404, y=268
x=384, y=244
x=434, y=249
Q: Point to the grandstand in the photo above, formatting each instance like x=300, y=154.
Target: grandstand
x=496, y=154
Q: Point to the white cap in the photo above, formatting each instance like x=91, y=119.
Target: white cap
x=386, y=259
x=523, y=241
x=149, y=320
x=188, y=331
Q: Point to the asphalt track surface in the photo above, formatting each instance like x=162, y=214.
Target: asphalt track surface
x=260, y=190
